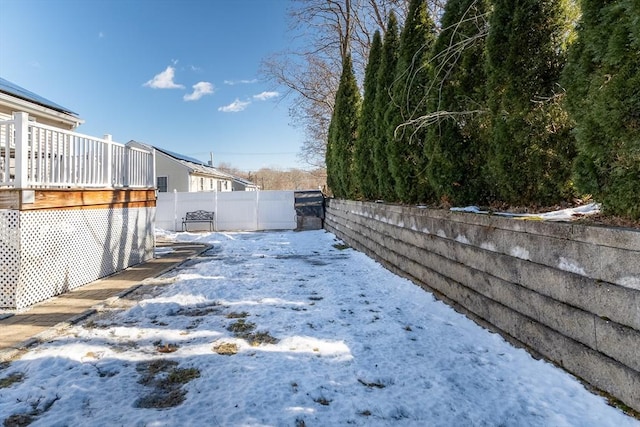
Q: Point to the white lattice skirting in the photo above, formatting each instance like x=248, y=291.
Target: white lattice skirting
x=46, y=253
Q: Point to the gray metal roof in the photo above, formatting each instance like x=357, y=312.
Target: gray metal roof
x=195, y=164
x=182, y=157
x=13, y=89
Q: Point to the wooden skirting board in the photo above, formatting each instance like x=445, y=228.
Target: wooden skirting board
x=50, y=199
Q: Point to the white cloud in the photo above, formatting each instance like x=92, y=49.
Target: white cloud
x=265, y=95
x=164, y=80
x=238, y=82
x=200, y=89
x=100, y=35
x=235, y=106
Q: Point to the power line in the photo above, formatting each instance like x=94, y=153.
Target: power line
x=215, y=153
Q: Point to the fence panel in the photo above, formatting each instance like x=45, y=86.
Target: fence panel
x=234, y=210
x=276, y=210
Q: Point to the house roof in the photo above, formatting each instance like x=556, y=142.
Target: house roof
x=182, y=157
x=19, y=92
x=244, y=181
x=194, y=164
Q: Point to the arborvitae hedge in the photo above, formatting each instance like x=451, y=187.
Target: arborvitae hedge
x=363, y=157
x=342, y=134
x=531, y=147
x=456, y=143
x=523, y=150
x=413, y=78
x=603, y=84
x=384, y=79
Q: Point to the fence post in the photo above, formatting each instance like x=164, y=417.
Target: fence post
x=215, y=210
x=257, y=211
x=109, y=177
x=21, y=127
x=153, y=182
x=126, y=163
x=175, y=210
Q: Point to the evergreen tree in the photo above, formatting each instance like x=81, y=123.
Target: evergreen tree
x=413, y=78
x=363, y=157
x=342, y=133
x=456, y=143
x=603, y=87
x=388, y=61
x=329, y=159
x=531, y=146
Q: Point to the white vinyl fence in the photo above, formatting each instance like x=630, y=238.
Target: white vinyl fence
x=234, y=210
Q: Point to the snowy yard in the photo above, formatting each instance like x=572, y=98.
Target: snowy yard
x=288, y=329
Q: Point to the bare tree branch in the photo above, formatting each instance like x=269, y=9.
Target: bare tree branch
x=323, y=33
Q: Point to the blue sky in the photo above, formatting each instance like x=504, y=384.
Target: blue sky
x=178, y=74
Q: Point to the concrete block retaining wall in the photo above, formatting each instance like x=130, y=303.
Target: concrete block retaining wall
x=568, y=292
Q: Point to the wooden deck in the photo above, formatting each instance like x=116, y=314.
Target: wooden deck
x=43, y=199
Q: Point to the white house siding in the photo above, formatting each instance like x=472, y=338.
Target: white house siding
x=176, y=173
x=209, y=183
x=183, y=176
x=54, y=251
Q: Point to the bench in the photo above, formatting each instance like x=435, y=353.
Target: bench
x=197, y=216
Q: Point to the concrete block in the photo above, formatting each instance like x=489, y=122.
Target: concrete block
x=561, y=290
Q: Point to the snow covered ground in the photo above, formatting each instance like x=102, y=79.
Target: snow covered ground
x=289, y=329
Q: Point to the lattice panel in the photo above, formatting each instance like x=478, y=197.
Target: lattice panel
x=62, y=250
x=9, y=256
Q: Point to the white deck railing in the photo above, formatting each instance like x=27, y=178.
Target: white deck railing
x=33, y=155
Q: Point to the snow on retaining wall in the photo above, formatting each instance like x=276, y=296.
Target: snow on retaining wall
x=567, y=292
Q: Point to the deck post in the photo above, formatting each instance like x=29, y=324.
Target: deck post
x=151, y=181
x=109, y=166
x=128, y=167
x=21, y=126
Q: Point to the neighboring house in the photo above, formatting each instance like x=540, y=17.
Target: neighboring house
x=73, y=208
x=241, y=184
x=14, y=99
x=185, y=174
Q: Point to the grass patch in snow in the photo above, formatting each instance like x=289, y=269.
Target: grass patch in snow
x=12, y=379
x=166, y=348
x=261, y=337
x=371, y=384
x=235, y=315
x=226, y=348
x=322, y=401
x=165, y=380
x=244, y=330
x=213, y=308
x=92, y=324
x=241, y=327
x=20, y=420
x=340, y=246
